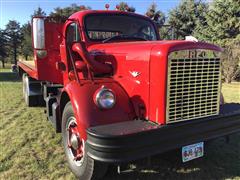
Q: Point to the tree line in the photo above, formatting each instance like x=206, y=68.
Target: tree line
x=215, y=22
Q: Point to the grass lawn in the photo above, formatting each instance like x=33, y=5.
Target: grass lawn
x=231, y=92
x=6, y=69
x=30, y=149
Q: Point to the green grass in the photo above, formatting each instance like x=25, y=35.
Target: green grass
x=6, y=69
x=30, y=148
x=231, y=92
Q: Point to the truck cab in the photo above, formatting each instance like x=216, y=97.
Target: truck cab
x=117, y=92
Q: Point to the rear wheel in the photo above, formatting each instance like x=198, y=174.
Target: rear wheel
x=30, y=99
x=80, y=163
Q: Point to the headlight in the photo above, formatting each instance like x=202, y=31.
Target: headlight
x=105, y=98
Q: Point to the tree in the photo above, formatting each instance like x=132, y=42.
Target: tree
x=123, y=6
x=222, y=27
x=3, y=47
x=159, y=18
x=14, y=35
x=185, y=17
x=156, y=15
x=231, y=61
x=61, y=14
x=221, y=22
x=38, y=12
x=26, y=46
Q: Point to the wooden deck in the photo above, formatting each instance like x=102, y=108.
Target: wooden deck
x=29, y=67
x=30, y=64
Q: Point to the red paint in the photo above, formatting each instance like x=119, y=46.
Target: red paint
x=94, y=65
x=137, y=76
x=86, y=111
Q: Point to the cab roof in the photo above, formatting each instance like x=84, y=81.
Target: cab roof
x=83, y=13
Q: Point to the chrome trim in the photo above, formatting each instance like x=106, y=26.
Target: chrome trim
x=194, y=54
x=72, y=120
x=38, y=28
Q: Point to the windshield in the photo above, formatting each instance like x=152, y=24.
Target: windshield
x=104, y=26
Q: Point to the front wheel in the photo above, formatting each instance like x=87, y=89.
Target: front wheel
x=80, y=163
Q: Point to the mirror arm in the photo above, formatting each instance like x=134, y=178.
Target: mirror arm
x=73, y=64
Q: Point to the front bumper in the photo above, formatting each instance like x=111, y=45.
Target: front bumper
x=131, y=140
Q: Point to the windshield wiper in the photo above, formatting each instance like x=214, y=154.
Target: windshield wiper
x=123, y=36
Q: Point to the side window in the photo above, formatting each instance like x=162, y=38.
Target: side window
x=147, y=33
x=72, y=33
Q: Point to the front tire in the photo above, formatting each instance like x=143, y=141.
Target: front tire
x=74, y=146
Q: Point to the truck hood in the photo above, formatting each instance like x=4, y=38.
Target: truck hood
x=147, y=46
x=141, y=69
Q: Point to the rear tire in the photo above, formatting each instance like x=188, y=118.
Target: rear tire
x=74, y=146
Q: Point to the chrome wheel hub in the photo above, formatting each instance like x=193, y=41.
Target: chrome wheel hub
x=75, y=143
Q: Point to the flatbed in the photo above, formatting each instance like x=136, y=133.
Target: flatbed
x=29, y=67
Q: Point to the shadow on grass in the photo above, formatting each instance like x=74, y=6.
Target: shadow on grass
x=9, y=77
x=221, y=161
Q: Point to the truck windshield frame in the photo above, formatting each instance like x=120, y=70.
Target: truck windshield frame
x=99, y=27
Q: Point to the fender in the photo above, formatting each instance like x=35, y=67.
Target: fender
x=87, y=112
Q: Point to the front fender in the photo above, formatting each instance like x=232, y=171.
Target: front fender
x=86, y=111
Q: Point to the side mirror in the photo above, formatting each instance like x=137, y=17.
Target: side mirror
x=38, y=29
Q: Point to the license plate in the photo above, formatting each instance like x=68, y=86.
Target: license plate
x=192, y=151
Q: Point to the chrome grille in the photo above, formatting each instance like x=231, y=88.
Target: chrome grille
x=193, y=85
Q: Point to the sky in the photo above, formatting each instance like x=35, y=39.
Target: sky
x=21, y=10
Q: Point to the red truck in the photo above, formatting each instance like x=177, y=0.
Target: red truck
x=118, y=93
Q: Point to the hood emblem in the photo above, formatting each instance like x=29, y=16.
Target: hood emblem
x=134, y=73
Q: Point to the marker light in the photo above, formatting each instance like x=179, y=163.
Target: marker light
x=41, y=53
x=107, y=6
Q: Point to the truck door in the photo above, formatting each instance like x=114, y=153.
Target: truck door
x=72, y=36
